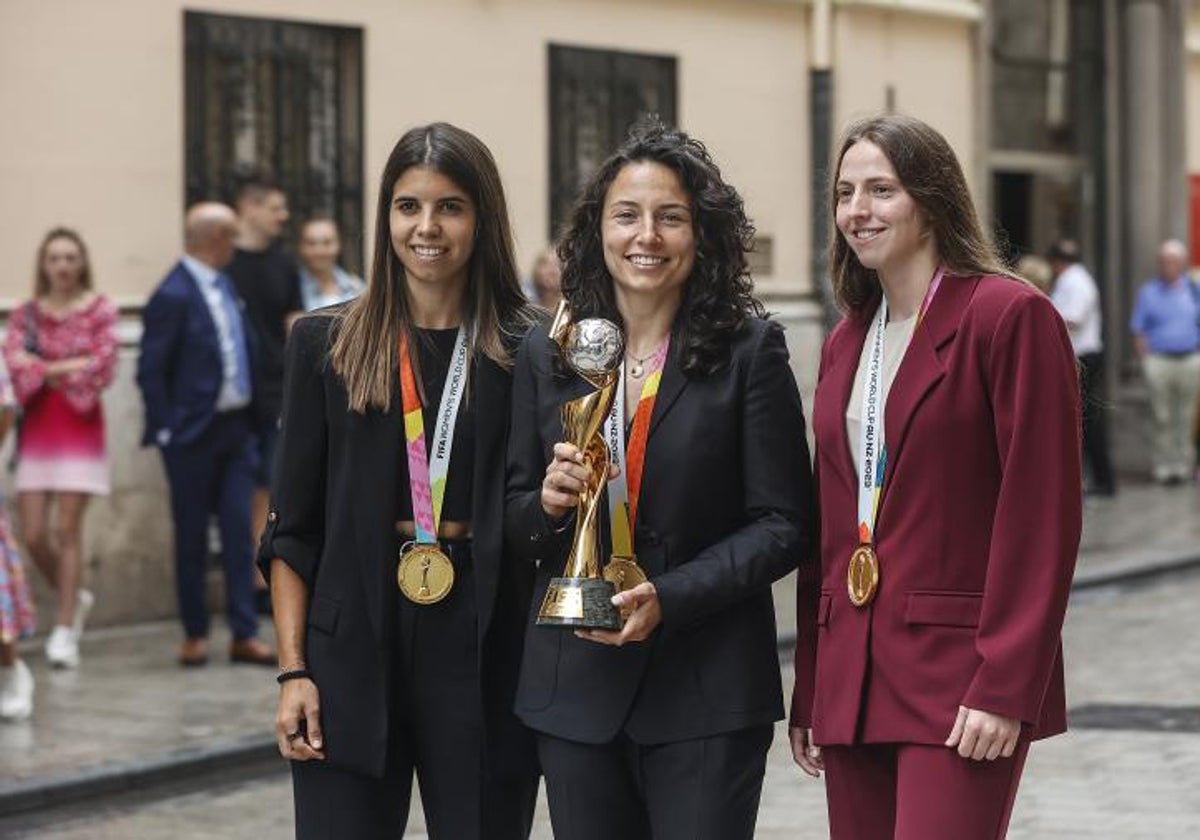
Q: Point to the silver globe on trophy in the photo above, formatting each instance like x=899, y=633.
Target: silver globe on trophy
x=593, y=348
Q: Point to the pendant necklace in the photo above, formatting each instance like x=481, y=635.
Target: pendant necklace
x=638, y=367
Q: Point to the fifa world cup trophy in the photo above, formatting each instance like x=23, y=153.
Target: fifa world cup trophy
x=582, y=598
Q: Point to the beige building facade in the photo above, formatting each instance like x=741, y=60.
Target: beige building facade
x=99, y=138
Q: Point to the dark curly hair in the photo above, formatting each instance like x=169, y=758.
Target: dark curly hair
x=718, y=296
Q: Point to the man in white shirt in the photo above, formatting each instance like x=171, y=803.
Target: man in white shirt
x=1077, y=299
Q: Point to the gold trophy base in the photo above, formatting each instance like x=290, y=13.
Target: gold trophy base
x=579, y=603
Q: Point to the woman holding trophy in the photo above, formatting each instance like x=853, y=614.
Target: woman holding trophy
x=947, y=427
x=399, y=626
x=650, y=675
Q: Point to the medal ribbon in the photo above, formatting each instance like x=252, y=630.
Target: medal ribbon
x=427, y=472
x=625, y=489
x=871, y=445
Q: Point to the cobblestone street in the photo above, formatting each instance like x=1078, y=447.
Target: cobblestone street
x=1125, y=646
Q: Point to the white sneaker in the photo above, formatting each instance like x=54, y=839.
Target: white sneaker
x=83, y=607
x=62, y=648
x=16, y=691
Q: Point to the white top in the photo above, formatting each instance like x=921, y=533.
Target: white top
x=897, y=335
x=1077, y=300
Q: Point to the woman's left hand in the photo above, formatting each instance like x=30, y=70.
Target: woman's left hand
x=645, y=616
x=983, y=735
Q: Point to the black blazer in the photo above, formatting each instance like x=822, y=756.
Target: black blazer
x=726, y=508
x=179, y=367
x=332, y=520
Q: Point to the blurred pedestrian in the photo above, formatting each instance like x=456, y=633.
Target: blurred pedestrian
x=1037, y=271
x=1077, y=300
x=61, y=350
x=661, y=729
x=1166, y=328
x=322, y=281
x=391, y=474
x=16, y=605
x=546, y=280
x=198, y=379
x=268, y=282
x=929, y=652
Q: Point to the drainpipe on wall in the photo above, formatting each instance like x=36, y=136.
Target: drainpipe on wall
x=820, y=84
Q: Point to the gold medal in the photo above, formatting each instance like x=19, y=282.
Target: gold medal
x=624, y=573
x=862, y=576
x=426, y=574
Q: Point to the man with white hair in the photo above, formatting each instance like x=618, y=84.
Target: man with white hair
x=1166, y=326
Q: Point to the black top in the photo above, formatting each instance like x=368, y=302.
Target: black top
x=434, y=349
x=269, y=283
x=333, y=522
x=726, y=508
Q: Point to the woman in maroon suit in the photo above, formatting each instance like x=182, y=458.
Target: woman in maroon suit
x=946, y=422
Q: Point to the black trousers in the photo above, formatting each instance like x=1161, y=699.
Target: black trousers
x=436, y=731
x=705, y=789
x=1095, y=422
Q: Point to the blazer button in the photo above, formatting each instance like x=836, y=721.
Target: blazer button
x=272, y=516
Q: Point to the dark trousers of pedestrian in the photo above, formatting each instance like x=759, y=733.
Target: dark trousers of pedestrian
x=436, y=731
x=1095, y=423
x=703, y=789
x=918, y=792
x=214, y=474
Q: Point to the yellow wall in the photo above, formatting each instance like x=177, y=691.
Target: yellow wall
x=929, y=61
x=92, y=93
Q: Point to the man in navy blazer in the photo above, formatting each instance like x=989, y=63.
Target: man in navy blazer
x=197, y=379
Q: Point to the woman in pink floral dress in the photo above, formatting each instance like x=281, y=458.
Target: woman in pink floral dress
x=61, y=351
x=16, y=607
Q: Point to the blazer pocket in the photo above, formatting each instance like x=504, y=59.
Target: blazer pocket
x=323, y=614
x=823, y=610
x=946, y=609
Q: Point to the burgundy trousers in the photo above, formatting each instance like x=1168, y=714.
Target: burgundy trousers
x=918, y=792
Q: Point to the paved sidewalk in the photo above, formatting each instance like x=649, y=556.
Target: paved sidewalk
x=131, y=715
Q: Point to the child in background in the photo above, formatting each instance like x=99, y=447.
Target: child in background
x=16, y=607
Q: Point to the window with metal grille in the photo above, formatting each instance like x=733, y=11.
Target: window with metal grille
x=595, y=96
x=281, y=98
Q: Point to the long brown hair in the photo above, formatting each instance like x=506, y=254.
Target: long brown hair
x=930, y=173
x=41, y=283
x=365, y=349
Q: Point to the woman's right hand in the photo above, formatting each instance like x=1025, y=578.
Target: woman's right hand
x=565, y=479
x=298, y=721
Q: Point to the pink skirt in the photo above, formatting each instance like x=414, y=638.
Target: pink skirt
x=16, y=606
x=61, y=449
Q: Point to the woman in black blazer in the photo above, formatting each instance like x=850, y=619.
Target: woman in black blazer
x=661, y=729
x=399, y=624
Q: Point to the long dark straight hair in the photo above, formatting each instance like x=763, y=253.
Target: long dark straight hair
x=365, y=349
x=930, y=173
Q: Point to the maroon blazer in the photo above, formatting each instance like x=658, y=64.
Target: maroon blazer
x=977, y=531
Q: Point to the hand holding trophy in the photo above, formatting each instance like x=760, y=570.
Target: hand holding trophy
x=582, y=598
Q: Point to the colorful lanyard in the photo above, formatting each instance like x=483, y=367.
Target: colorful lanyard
x=427, y=478
x=625, y=489
x=871, y=446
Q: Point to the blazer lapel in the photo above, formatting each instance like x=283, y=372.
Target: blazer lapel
x=922, y=369
x=491, y=395
x=376, y=453
x=669, y=388
x=836, y=385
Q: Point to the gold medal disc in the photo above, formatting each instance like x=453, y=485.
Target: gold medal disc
x=862, y=576
x=624, y=573
x=425, y=574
